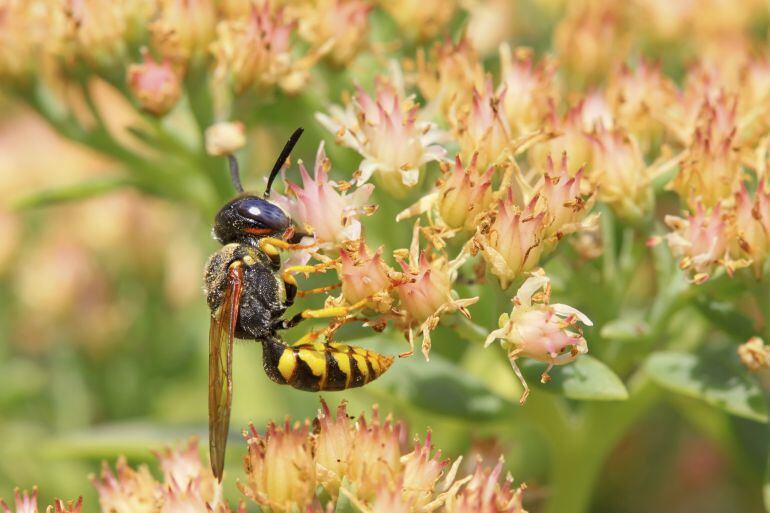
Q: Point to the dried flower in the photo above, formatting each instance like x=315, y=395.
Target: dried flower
x=365, y=275
x=341, y=23
x=154, y=84
x=256, y=51
x=183, y=29
x=484, y=494
x=386, y=132
x=564, y=202
x=428, y=293
x=752, y=222
x=484, y=130
x=702, y=242
x=540, y=330
x=448, y=75
x=318, y=205
x=754, y=354
x=280, y=469
x=225, y=138
x=464, y=193
x=711, y=170
x=510, y=239
x=619, y=170
x=529, y=89
x=421, y=19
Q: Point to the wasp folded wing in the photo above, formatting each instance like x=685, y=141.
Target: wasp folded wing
x=221, y=336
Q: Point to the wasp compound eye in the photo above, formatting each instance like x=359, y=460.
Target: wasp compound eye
x=263, y=213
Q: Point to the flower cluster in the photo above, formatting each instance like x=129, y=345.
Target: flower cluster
x=368, y=463
x=307, y=467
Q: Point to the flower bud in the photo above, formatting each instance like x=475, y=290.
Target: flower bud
x=564, y=202
x=155, y=85
x=484, y=129
x=485, y=494
x=127, y=491
x=225, y=138
x=464, y=195
x=754, y=354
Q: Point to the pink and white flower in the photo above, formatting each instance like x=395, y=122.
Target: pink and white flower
x=155, y=85
x=386, y=132
x=325, y=208
x=540, y=330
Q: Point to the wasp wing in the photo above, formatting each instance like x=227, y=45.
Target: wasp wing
x=221, y=336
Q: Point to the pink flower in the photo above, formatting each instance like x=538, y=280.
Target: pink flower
x=484, y=130
x=155, y=85
x=428, y=293
x=564, y=202
x=702, y=241
x=511, y=240
x=464, y=193
x=326, y=212
x=128, y=490
x=25, y=502
x=539, y=330
x=484, y=493
x=342, y=24
x=386, y=132
x=280, y=468
x=366, y=275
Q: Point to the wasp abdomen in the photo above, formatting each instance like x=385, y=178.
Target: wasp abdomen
x=316, y=366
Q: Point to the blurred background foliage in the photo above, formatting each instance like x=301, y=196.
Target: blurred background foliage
x=103, y=326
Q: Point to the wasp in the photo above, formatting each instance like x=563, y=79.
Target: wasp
x=248, y=294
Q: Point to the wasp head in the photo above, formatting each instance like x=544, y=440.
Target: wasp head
x=248, y=217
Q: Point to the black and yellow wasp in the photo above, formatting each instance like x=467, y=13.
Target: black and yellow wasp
x=248, y=294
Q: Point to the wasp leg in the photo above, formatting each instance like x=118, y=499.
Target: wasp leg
x=290, y=282
x=319, y=290
x=272, y=246
x=512, y=356
x=334, y=311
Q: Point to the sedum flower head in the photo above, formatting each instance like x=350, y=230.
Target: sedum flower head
x=427, y=295
x=255, y=51
x=341, y=24
x=702, y=242
x=364, y=274
x=619, y=170
x=711, y=169
x=280, y=469
x=183, y=30
x=225, y=138
x=386, y=132
x=540, y=330
x=421, y=19
x=127, y=490
x=484, y=493
x=464, y=193
x=510, y=239
x=528, y=86
x=328, y=213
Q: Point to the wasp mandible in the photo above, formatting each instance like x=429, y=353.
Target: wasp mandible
x=248, y=294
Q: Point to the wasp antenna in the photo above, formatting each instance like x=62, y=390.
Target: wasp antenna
x=282, y=158
x=235, y=174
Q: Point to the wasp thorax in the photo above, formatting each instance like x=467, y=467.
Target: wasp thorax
x=247, y=217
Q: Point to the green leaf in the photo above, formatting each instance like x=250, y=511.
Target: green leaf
x=439, y=387
x=344, y=504
x=766, y=486
x=586, y=379
x=625, y=329
x=79, y=191
x=727, y=317
x=716, y=378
